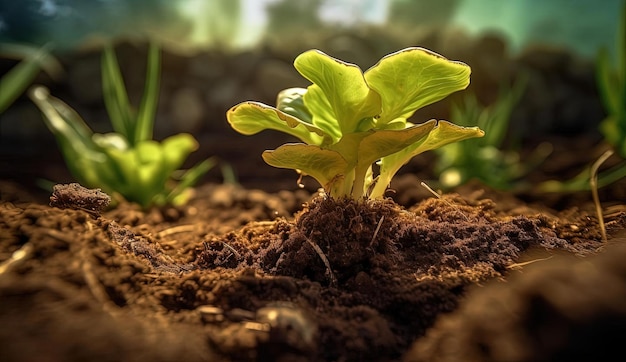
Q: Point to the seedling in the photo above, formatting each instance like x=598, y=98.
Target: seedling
x=348, y=120
x=126, y=162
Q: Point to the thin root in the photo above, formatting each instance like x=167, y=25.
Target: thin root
x=593, y=182
x=17, y=256
x=94, y=285
x=380, y=223
x=176, y=230
x=520, y=265
x=424, y=185
x=320, y=253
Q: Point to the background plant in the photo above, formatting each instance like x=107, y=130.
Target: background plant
x=17, y=80
x=611, y=82
x=612, y=87
x=494, y=160
x=348, y=120
x=126, y=162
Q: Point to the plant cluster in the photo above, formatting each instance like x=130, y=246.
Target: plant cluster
x=127, y=162
x=486, y=159
x=612, y=88
x=348, y=120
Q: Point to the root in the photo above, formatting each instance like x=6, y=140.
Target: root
x=19, y=255
x=94, y=285
x=176, y=230
x=520, y=265
x=446, y=201
x=593, y=183
x=320, y=253
x=380, y=222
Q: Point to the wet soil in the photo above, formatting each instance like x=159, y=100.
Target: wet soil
x=243, y=274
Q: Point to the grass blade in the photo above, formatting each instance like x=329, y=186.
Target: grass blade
x=15, y=82
x=147, y=110
x=191, y=177
x=115, y=96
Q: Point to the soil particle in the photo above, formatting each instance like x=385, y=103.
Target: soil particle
x=74, y=196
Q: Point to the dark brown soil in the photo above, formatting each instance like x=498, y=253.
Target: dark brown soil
x=241, y=274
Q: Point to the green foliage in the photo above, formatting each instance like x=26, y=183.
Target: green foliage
x=485, y=158
x=347, y=120
x=126, y=162
x=15, y=82
x=612, y=87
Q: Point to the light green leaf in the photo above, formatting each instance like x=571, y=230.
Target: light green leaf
x=291, y=101
x=16, y=80
x=386, y=142
x=412, y=78
x=115, y=96
x=178, y=196
x=323, y=165
x=349, y=97
x=144, y=123
x=176, y=150
x=250, y=118
x=323, y=115
x=442, y=134
x=607, y=82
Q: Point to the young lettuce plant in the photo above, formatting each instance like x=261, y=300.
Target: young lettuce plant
x=126, y=162
x=348, y=119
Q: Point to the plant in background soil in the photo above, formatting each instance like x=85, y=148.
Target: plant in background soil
x=612, y=87
x=127, y=163
x=33, y=60
x=348, y=120
x=484, y=158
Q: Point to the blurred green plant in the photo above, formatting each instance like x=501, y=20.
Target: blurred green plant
x=127, y=162
x=348, y=120
x=17, y=79
x=486, y=159
x=612, y=88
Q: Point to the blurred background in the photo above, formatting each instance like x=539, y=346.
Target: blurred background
x=217, y=53
x=582, y=25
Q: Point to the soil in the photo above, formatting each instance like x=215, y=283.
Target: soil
x=243, y=274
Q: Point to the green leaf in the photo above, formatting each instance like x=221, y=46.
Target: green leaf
x=607, y=82
x=16, y=80
x=442, y=134
x=323, y=115
x=323, y=165
x=176, y=150
x=147, y=110
x=115, y=97
x=250, y=118
x=291, y=101
x=412, y=78
x=177, y=196
x=344, y=87
x=71, y=133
